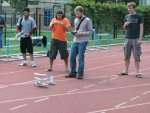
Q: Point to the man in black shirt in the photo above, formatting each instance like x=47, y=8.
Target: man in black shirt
x=133, y=23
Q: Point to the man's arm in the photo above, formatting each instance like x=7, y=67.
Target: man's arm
x=141, y=31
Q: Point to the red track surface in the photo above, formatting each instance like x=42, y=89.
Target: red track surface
x=102, y=91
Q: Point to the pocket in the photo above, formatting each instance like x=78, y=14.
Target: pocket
x=139, y=49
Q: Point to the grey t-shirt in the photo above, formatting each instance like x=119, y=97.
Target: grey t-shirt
x=26, y=25
x=85, y=29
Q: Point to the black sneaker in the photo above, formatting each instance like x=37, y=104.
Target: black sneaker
x=71, y=75
x=123, y=73
x=139, y=75
x=80, y=77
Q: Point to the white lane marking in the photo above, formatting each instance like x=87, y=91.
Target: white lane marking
x=75, y=93
x=74, y=90
x=121, y=104
x=3, y=86
x=21, y=83
x=146, y=92
x=135, y=98
x=40, y=74
x=18, y=107
x=31, y=82
x=61, y=75
x=41, y=100
x=89, y=86
x=120, y=108
x=104, y=66
x=12, y=72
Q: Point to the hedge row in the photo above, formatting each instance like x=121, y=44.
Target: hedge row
x=106, y=15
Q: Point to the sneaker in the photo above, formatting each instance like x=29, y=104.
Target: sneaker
x=23, y=63
x=49, y=70
x=80, y=78
x=123, y=73
x=71, y=76
x=139, y=75
x=33, y=64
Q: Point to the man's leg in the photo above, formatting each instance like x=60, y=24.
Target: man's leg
x=23, y=46
x=127, y=63
x=30, y=50
x=137, y=67
x=137, y=53
x=82, y=49
x=127, y=55
x=66, y=64
x=73, y=55
x=52, y=54
x=51, y=61
x=64, y=53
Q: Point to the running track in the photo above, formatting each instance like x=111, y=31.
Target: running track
x=102, y=90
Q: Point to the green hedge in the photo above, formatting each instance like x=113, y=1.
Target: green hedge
x=106, y=15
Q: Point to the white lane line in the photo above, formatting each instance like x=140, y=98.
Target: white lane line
x=120, y=108
x=40, y=74
x=135, y=98
x=21, y=83
x=105, y=66
x=21, y=70
x=18, y=107
x=121, y=104
x=93, y=85
x=146, y=92
x=89, y=86
x=31, y=82
x=61, y=75
x=75, y=93
x=74, y=90
x=13, y=72
x=41, y=100
x=3, y=86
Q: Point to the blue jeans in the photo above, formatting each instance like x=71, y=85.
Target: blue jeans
x=78, y=49
x=1, y=43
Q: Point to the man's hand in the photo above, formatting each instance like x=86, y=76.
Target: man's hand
x=126, y=24
x=140, y=41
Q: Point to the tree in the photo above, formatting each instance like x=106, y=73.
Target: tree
x=19, y=5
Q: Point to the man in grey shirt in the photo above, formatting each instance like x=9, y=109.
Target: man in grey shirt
x=83, y=30
x=26, y=26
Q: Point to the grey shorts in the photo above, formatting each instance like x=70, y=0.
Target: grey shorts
x=132, y=46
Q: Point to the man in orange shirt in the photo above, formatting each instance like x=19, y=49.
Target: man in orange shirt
x=59, y=27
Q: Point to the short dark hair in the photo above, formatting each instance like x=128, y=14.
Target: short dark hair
x=60, y=12
x=26, y=9
x=133, y=4
x=79, y=8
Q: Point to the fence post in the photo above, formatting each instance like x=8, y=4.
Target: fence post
x=5, y=34
x=39, y=24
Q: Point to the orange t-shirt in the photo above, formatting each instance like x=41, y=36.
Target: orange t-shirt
x=59, y=31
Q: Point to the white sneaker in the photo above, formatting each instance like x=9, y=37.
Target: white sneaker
x=23, y=63
x=33, y=64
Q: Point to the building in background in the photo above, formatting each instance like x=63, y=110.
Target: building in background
x=144, y=2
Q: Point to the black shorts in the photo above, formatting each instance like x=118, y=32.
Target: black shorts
x=26, y=45
x=60, y=46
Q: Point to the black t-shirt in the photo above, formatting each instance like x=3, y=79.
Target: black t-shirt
x=133, y=29
x=2, y=22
